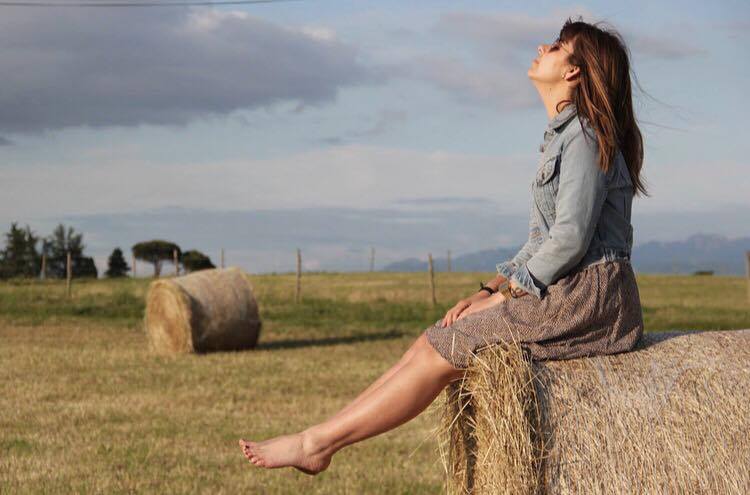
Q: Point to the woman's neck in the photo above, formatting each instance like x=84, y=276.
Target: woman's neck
x=551, y=97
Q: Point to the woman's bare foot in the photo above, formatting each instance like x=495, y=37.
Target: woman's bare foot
x=295, y=450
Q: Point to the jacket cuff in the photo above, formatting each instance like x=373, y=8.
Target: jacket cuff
x=525, y=280
x=506, y=269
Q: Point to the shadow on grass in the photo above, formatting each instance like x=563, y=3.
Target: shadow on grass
x=326, y=341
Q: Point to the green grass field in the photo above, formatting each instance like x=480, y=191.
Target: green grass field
x=85, y=408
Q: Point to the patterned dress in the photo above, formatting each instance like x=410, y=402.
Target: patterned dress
x=592, y=310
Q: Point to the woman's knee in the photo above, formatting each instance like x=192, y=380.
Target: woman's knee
x=418, y=344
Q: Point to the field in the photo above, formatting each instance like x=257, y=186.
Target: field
x=85, y=408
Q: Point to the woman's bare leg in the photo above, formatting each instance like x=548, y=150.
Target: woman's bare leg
x=420, y=341
x=401, y=397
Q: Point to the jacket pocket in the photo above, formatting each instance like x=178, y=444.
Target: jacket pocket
x=545, y=187
x=547, y=171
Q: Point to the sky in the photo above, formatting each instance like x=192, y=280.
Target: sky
x=335, y=126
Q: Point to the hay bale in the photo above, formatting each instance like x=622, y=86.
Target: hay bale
x=208, y=310
x=673, y=416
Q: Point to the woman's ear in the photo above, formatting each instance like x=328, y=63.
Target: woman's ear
x=572, y=75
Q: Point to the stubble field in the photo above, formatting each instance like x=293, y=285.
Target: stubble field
x=84, y=407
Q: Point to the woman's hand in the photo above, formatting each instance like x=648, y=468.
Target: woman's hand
x=453, y=313
x=494, y=299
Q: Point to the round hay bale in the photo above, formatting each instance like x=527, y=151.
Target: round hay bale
x=670, y=417
x=208, y=310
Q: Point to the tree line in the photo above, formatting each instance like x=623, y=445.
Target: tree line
x=21, y=258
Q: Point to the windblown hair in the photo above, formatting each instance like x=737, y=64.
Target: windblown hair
x=603, y=95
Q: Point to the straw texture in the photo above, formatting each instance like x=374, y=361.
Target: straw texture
x=672, y=416
x=208, y=310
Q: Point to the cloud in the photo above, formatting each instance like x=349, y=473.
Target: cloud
x=447, y=201
x=383, y=122
x=122, y=179
x=737, y=28
x=504, y=87
x=5, y=141
x=485, y=56
x=659, y=47
x=499, y=35
x=127, y=67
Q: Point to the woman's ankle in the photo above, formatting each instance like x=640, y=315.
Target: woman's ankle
x=314, y=442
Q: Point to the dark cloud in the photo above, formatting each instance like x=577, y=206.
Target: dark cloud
x=136, y=66
x=5, y=141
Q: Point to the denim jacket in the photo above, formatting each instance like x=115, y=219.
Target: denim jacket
x=579, y=214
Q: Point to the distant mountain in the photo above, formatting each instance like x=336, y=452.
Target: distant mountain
x=341, y=238
x=714, y=252
x=481, y=261
x=698, y=252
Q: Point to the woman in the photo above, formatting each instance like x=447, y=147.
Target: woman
x=572, y=291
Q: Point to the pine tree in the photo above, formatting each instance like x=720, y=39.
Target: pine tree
x=57, y=246
x=20, y=257
x=117, y=266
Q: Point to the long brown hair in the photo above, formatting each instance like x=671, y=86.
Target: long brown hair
x=603, y=95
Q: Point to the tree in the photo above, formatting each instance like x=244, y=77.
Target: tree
x=57, y=246
x=20, y=258
x=194, y=260
x=85, y=267
x=117, y=266
x=156, y=251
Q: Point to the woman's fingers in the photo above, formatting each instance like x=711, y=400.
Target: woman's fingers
x=451, y=317
x=448, y=318
x=454, y=313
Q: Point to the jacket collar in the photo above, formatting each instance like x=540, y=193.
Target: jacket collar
x=556, y=122
x=561, y=118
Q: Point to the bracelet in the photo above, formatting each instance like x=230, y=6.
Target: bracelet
x=482, y=287
x=517, y=292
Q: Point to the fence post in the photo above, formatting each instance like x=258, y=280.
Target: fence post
x=449, y=260
x=372, y=259
x=176, y=263
x=133, y=256
x=299, y=276
x=44, y=266
x=222, y=257
x=432, y=278
x=69, y=273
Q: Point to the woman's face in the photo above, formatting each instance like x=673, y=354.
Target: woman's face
x=551, y=64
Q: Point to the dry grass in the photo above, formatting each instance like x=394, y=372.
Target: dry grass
x=85, y=409
x=670, y=417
